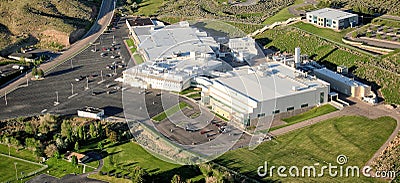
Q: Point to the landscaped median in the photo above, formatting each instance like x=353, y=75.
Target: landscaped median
x=174, y=109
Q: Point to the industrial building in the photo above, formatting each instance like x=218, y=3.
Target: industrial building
x=249, y=93
x=243, y=49
x=159, y=42
x=174, y=74
x=174, y=55
x=343, y=84
x=332, y=18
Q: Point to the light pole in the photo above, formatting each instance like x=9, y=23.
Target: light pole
x=27, y=81
x=87, y=83
x=5, y=96
x=16, y=171
x=72, y=89
x=72, y=66
x=101, y=73
x=56, y=102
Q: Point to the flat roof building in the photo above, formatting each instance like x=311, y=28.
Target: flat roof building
x=174, y=74
x=255, y=92
x=91, y=112
x=243, y=49
x=343, y=84
x=332, y=18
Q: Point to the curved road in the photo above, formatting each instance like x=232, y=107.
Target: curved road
x=103, y=20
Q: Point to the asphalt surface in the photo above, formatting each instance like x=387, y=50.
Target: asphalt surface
x=39, y=96
x=103, y=19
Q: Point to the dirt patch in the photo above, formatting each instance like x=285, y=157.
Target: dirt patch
x=52, y=35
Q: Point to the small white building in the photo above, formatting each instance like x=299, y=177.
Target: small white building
x=91, y=112
x=332, y=18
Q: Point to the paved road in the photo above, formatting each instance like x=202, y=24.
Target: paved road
x=293, y=9
x=104, y=17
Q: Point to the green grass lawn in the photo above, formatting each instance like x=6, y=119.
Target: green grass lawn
x=354, y=136
x=7, y=168
x=288, y=38
x=125, y=157
x=130, y=42
x=170, y=111
x=22, y=153
x=282, y=15
x=138, y=59
x=195, y=96
x=61, y=167
x=314, y=112
x=149, y=7
x=189, y=90
x=324, y=32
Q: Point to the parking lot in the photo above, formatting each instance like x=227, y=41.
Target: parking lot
x=85, y=80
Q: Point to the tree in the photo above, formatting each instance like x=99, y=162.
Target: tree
x=354, y=34
x=139, y=175
x=28, y=128
x=40, y=73
x=60, y=143
x=76, y=147
x=92, y=130
x=32, y=143
x=50, y=150
x=66, y=130
x=100, y=146
x=176, y=179
x=34, y=71
x=74, y=160
x=80, y=133
x=113, y=136
x=99, y=129
x=57, y=155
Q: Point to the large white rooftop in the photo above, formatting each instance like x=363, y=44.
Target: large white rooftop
x=164, y=42
x=330, y=13
x=270, y=81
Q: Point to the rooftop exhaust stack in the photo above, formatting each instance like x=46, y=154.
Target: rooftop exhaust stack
x=297, y=58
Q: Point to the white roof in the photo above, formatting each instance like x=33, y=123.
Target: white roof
x=171, y=39
x=279, y=81
x=339, y=77
x=330, y=13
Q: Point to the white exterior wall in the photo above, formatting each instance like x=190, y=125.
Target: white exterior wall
x=243, y=107
x=91, y=115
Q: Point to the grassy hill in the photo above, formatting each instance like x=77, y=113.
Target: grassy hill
x=47, y=23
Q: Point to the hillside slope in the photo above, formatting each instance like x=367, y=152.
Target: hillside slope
x=51, y=24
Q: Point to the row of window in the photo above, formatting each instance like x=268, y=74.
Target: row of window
x=277, y=111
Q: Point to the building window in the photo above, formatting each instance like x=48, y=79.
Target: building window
x=321, y=97
x=334, y=22
x=304, y=105
x=276, y=111
x=290, y=108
